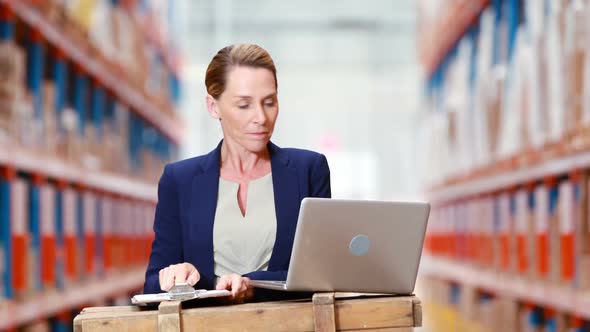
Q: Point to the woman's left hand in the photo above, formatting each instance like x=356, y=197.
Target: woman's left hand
x=239, y=287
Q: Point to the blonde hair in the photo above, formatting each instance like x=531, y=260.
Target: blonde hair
x=249, y=55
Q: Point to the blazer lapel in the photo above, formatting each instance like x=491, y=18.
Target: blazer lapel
x=287, y=202
x=204, y=191
x=205, y=188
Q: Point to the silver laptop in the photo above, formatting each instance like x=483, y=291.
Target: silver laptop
x=355, y=246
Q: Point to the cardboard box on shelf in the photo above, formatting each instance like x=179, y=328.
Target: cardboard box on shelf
x=505, y=249
x=117, y=237
x=507, y=314
x=487, y=313
x=107, y=223
x=555, y=76
x=89, y=225
x=582, y=237
x=53, y=11
x=524, y=215
x=19, y=216
x=12, y=89
x=530, y=318
x=89, y=154
x=28, y=129
x=512, y=127
x=468, y=303
x=569, y=201
x=128, y=41
x=12, y=70
x=48, y=246
x=554, y=244
x=68, y=142
x=40, y=325
x=541, y=231
x=583, y=272
x=575, y=53
x=553, y=320
x=50, y=120
x=534, y=105
x=494, y=107
x=71, y=250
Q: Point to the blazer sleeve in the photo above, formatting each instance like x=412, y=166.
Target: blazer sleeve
x=320, y=178
x=320, y=187
x=167, y=244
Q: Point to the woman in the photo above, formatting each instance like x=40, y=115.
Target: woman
x=229, y=216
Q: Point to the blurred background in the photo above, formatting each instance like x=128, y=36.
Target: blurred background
x=480, y=107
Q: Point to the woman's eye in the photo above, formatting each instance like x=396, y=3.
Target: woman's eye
x=270, y=103
x=243, y=107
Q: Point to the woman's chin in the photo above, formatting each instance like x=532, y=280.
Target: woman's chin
x=256, y=146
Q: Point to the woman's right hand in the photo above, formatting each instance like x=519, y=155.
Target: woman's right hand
x=178, y=273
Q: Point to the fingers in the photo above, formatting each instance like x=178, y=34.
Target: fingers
x=238, y=285
x=177, y=273
x=222, y=283
x=193, y=277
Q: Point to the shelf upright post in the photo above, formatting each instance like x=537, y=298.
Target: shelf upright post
x=63, y=322
x=6, y=24
x=99, y=233
x=80, y=245
x=80, y=98
x=7, y=175
x=60, y=261
x=36, y=182
x=35, y=66
x=48, y=245
x=69, y=198
x=98, y=106
x=60, y=78
x=513, y=16
x=89, y=226
x=19, y=210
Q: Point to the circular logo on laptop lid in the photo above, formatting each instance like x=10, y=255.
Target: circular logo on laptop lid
x=359, y=245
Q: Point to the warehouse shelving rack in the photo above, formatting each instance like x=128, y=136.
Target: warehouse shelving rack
x=107, y=80
x=563, y=159
x=105, y=73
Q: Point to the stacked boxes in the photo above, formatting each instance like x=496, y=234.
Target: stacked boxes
x=513, y=109
x=12, y=89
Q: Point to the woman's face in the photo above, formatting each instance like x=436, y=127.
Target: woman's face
x=248, y=107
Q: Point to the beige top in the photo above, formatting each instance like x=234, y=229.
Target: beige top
x=243, y=244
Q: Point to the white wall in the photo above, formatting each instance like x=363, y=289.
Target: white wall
x=347, y=77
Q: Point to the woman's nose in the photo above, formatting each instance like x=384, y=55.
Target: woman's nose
x=260, y=115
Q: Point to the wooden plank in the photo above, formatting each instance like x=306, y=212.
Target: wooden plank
x=130, y=324
x=374, y=313
x=169, y=316
x=323, y=312
x=116, y=321
x=366, y=314
x=251, y=317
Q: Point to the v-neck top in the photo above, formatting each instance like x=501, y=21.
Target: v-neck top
x=244, y=243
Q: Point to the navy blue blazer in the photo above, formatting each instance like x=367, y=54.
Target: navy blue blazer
x=187, y=199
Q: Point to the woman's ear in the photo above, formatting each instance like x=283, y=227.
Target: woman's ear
x=213, y=108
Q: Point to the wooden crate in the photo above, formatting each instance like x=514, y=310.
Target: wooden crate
x=326, y=312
